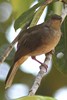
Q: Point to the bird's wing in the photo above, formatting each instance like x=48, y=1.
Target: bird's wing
x=28, y=43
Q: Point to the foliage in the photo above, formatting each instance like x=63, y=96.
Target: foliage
x=36, y=98
x=61, y=62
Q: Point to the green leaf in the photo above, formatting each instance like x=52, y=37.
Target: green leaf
x=36, y=98
x=26, y=16
x=60, y=58
x=20, y=6
x=54, y=8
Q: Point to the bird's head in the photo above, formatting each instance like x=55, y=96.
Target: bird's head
x=56, y=21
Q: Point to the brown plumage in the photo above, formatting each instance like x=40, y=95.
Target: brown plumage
x=37, y=40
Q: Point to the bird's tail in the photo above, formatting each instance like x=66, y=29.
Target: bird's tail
x=13, y=71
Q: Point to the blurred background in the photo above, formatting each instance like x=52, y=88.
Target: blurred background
x=54, y=83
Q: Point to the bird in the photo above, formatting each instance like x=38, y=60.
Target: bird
x=37, y=40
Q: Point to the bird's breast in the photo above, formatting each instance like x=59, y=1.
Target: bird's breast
x=49, y=42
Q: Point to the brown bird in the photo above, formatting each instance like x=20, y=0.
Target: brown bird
x=34, y=41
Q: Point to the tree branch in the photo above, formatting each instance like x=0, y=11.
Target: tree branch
x=11, y=45
x=40, y=75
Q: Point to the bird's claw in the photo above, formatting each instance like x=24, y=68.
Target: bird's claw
x=44, y=65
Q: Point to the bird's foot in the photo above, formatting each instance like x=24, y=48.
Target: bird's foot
x=42, y=64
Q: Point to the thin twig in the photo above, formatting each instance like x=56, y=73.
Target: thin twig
x=11, y=45
x=40, y=75
x=8, y=50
